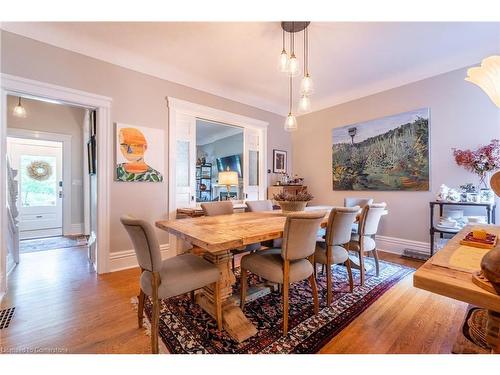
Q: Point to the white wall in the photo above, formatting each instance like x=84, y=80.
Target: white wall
x=61, y=119
x=462, y=116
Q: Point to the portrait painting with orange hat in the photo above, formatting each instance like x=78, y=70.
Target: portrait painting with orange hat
x=139, y=150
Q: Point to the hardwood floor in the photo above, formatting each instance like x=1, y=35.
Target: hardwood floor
x=63, y=306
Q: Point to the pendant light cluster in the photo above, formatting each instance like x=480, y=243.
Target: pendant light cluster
x=290, y=66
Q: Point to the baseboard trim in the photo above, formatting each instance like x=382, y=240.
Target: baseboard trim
x=122, y=260
x=396, y=245
x=74, y=229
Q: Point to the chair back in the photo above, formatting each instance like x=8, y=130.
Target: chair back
x=146, y=246
x=256, y=206
x=370, y=218
x=299, y=236
x=361, y=202
x=217, y=208
x=338, y=231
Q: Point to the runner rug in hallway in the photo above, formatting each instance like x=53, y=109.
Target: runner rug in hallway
x=186, y=328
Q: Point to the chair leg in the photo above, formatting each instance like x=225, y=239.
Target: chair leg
x=218, y=306
x=232, y=261
x=362, y=267
x=192, y=296
x=140, y=308
x=377, y=265
x=243, y=288
x=285, y=296
x=156, y=314
x=329, y=286
x=349, y=272
x=323, y=269
x=314, y=289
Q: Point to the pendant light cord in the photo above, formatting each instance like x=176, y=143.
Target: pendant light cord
x=290, y=105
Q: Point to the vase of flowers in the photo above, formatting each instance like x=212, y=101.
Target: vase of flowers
x=481, y=162
x=292, y=203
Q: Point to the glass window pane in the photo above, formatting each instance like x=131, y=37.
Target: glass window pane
x=38, y=181
x=253, y=168
x=182, y=160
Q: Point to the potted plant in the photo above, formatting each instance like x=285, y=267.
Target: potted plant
x=292, y=203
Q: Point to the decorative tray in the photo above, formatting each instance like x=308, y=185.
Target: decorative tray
x=488, y=243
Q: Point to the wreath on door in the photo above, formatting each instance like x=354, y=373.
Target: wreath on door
x=39, y=170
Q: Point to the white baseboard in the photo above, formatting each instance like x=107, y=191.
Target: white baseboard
x=122, y=260
x=397, y=245
x=74, y=229
x=31, y=234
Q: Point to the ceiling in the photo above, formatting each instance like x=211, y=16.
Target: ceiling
x=239, y=60
x=208, y=131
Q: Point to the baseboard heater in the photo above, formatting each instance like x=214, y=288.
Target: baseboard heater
x=415, y=254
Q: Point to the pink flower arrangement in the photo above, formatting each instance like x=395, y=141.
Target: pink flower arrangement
x=484, y=159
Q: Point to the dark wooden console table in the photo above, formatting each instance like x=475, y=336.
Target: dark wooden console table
x=490, y=216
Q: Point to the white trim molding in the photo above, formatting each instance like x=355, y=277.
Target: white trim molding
x=398, y=245
x=122, y=260
x=19, y=86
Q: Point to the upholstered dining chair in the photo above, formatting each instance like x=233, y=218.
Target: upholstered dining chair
x=330, y=250
x=290, y=264
x=352, y=202
x=168, y=278
x=363, y=241
x=261, y=206
x=226, y=208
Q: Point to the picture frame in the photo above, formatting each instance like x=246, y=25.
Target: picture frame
x=279, y=161
x=91, y=155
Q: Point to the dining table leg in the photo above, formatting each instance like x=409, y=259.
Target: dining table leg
x=234, y=321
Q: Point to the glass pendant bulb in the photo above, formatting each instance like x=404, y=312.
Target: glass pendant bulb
x=304, y=104
x=306, y=85
x=284, y=62
x=290, y=123
x=293, y=66
x=19, y=110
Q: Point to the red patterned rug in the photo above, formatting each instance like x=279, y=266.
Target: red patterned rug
x=186, y=328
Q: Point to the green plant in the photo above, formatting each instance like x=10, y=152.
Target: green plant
x=299, y=197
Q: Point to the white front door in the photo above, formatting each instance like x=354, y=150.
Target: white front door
x=39, y=165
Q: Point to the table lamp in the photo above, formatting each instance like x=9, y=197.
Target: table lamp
x=228, y=178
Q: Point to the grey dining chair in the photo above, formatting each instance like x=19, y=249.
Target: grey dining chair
x=290, y=264
x=330, y=250
x=261, y=206
x=226, y=208
x=361, y=202
x=168, y=278
x=363, y=242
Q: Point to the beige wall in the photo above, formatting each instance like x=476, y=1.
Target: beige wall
x=61, y=119
x=138, y=99
x=462, y=116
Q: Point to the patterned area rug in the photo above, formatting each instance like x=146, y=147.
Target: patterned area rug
x=186, y=328
x=50, y=243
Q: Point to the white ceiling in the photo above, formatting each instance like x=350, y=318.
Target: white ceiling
x=239, y=60
x=208, y=131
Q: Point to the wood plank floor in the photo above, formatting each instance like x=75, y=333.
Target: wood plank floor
x=63, y=306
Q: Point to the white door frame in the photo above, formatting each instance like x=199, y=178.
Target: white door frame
x=178, y=106
x=18, y=86
x=65, y=139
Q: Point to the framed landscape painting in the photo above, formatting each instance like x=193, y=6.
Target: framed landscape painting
x=386, y=154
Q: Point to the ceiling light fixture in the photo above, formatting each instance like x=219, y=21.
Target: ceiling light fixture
x=19, y=110
x=487, y=76
x=290, y=66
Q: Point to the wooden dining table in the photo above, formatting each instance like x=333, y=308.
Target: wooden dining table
x=216, y=236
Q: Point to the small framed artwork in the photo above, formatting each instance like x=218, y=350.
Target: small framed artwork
x=91, y=155
x=279, y=161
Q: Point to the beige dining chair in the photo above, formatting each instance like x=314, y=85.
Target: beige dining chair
x=226, y=208
x=364, y=242
x=290, y=264
x=330, y=250
x=168, y=278
x=262, y=206
x=361, y=202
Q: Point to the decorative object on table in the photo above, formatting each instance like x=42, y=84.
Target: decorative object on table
x=293, y=203
x=228, y=178
x=39, y=170
x=490, y=268
x=279, y=161
x=481, y=161
x=390, y=153
x=466, y=189
x=140, y=153
x=442, y=194
x=480, y=238
x=473, y=197
x=453, y=196
x=486, y=196
x=487, y=76
x=296, y=180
